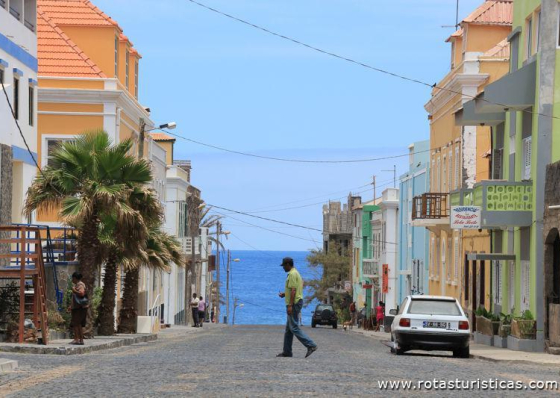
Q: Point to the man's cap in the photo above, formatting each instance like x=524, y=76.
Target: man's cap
x=287, y=261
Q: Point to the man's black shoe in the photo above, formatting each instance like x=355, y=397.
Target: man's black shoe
x=282, y=355
x=310, y=351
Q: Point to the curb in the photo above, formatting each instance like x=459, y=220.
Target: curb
x=52, y=350
x=514, y=361
x=7, y=365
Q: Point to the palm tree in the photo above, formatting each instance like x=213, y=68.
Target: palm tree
x=162, y=249
x=127, y=245
x=86, y=178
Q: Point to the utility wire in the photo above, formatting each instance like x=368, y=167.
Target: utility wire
x=359, y=63
x=287, y=159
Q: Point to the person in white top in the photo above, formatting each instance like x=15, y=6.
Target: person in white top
x=194, y=309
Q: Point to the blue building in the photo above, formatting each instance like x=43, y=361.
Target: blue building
x=413, y=241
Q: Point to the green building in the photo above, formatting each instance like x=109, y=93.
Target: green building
x=523, y=108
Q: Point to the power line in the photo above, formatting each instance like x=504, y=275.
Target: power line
x=359, y=63
x=287, y=159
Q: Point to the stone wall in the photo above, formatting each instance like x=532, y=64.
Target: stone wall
x=6, y=183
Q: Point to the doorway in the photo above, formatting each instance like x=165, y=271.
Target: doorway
x=552, y=286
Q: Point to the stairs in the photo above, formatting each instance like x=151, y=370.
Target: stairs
x=21, y=261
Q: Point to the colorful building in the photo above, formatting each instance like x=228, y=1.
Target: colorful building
x=413, y=241
x=460, y=155
x=520, y=208
x=18, y=75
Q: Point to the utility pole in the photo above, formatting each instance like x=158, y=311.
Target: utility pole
x=227, y=286
x=374, y=186
x=217, y=310
x=394, y=170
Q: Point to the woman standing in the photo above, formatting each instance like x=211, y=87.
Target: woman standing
x=79, y=307
x=380, y=315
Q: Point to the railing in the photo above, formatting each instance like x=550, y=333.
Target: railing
x=3, y=3
x=430, y=206
x=370, y=268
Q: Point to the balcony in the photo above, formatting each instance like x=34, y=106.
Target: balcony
x=370, y=268
x=430, y=210
x=503, y=203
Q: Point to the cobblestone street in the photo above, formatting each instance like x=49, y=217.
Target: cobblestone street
x=240, y=361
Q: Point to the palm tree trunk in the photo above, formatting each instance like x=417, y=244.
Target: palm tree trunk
x=129, y=309
x=106, y=314
x=88, y=256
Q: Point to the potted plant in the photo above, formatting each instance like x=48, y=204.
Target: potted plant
x=486, y=322
x=505, y=325
x=524, y=327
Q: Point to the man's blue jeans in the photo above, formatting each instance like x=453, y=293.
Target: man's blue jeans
x=292, y=328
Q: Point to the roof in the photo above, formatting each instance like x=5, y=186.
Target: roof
x=76, y=12
x=492, y=12
x=501, y=50
x=162, y=137
x=58, y=55
x=458, y=33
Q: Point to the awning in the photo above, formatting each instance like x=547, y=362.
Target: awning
x=490, y=256
x=467, y=116
x=515, y=91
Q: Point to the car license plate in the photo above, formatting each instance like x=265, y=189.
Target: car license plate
x=436, y=325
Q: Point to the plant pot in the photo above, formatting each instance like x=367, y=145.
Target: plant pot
x=504, y=330
x=485, y=326
x=524, y=329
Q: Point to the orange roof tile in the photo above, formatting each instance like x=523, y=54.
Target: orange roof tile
x=492, y=12
x=75, y=12
x=58, y=55
x=133, y=51
x=501, y=50
x=162, y=137
x=458, y=33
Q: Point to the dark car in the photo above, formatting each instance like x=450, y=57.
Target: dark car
x=324, y=314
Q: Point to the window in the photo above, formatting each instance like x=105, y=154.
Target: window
x=457, y=168
x=466, y=280
x=525, y=285
x=526, y=172
x=136, y=80
x=450, y=171
x=31, y=105
x=126, y=68
x=497, y=161
x=434, y=307
x=511, y=285
x=444, y=181
x=498, y=282
x=52, y=145
x=116, y=56
x=438, y=176
x=16, y=98
x=433, y=175
x=529, y=38
x=443, y=256
x=432, y=258
x=538, y=31
x=457, y=260
x=438, y=249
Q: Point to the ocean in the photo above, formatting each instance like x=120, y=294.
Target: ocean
x=256, y=281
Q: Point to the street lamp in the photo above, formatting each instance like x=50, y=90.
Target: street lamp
x=235, y=305
x=236, y=260
x=142, y=135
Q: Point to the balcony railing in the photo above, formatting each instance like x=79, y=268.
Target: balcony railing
x=370, y=268
x=29, y=25
x=15, y=13
x=430, y=206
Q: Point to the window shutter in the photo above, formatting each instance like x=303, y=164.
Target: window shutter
x=511, y=285
x=457, y=168
x=525, y=271
x=500, y=282
x=457, y=259
x=527, y=158
x=450, y=171
x=497, y=161
x=449, y=259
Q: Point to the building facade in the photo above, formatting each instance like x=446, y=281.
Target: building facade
x=18, y=75
x=520, y=209
x=413, y=241
x=459, y=156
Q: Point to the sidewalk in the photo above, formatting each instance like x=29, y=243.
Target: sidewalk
x=480, y=351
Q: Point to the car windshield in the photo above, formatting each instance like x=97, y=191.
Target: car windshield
x=434, y=307
x=321, y=308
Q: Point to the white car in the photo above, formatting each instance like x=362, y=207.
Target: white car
x=431, y=323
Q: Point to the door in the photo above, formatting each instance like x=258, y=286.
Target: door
x=473, y=294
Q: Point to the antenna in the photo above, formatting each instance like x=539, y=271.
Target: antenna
x=456, y=18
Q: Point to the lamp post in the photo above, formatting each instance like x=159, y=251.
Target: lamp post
x=235, y=305
x=218, y=233
x=143, y=131
x=226, y=319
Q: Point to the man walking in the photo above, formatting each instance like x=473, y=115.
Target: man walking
x=293, y=296
x=194, y=309
x=201, y=311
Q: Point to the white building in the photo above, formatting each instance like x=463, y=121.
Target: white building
x=18, y=74
x=385, y=234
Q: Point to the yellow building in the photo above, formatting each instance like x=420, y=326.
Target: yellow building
x=460, y=154
x=89, y=79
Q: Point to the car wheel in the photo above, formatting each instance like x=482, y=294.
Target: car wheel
x=400, y=350
x=464, y=352
x=335, y=325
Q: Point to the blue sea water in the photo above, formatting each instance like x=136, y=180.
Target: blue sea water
x=256, y=281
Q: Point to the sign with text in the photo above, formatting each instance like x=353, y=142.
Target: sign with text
x=385, y=286
x=367, y=286
x=465, y=217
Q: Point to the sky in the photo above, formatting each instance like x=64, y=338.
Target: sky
x=233, y=86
